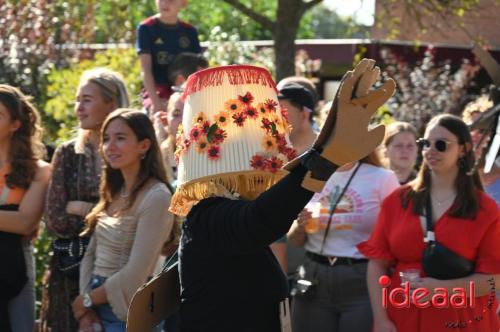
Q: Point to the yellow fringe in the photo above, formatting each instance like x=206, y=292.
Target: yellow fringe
x=248, y=184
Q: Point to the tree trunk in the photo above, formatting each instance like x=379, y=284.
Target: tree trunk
x=287, y=23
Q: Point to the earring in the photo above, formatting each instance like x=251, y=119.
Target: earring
x=143, y=156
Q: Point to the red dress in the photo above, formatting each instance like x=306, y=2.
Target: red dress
x=398, y=237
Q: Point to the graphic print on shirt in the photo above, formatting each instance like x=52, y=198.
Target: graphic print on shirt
x=348, y=212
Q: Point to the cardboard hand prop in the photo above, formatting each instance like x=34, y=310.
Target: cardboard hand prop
x=345, y=136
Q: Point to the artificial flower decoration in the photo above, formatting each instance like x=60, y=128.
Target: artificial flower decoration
x=234, y=106
x=205, y=127
x=195, y=133
x=213, y=152
x=251, y=112
x=239, y=119
x=269, y=144
x=201, y=145
x=261, y=108
x=222, y=118
x=273, y=164
x=258, y=162
x=200, y=118
x=219, y=136
x=270, y=105
x=247, y=99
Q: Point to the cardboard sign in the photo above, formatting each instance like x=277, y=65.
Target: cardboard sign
x=154, y=301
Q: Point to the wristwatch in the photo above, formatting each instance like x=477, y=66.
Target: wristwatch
x=87, y=300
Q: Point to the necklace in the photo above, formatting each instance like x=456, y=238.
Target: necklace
x=123, y=193
x=442, y=202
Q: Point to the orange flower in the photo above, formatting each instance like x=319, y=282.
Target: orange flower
x=234, y=106
x=261, y=108
x=202, y=145
x=269, y=144
x=199, y=118
x=222, y=118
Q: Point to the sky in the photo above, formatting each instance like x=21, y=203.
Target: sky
x=362, y=10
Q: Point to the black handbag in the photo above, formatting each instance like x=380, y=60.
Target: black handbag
x=440, y=262
x=69, y=253
x=13, y=275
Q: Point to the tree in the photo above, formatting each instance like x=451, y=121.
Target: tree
x=283, y=28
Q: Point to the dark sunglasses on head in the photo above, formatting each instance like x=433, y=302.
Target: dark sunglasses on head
x=440, y=144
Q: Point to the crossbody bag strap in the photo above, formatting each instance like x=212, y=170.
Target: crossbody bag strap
x=429, y=237
x=334, y=206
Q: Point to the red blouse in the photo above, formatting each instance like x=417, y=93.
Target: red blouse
x=398, y=237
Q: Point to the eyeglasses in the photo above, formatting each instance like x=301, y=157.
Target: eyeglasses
x=440, y=144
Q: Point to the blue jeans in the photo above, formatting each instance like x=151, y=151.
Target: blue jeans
x=109, y=321
x=22, y=307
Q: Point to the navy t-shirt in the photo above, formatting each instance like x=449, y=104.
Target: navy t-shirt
x=164, y=42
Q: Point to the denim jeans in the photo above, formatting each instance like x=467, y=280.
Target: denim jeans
x=109, y=321
x=22, y=307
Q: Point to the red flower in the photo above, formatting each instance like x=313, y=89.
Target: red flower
x=247, y=98
x=257, y=162
x=205, y=127
x=219, y=136
x=284, y=113
x=280, y=140
x=195, y=133
x=187, y=143
x=267, y=125
x=239, y=119
x=290, y=153
x=273, y=164
x=251, y=112
x=270, y=105
x=213, y=152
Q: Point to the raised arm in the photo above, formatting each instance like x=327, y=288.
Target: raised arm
x=235, y=226
x=26, y=219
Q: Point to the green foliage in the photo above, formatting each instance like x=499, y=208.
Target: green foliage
x=225, y=49
x=325, y=23
x=217, y=13
x=43, y=254
x=63, y=84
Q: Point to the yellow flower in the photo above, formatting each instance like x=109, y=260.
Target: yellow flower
x=202, y=145
x=222, y=118
x=200, y=118
x=234, y=106
x=269, y=144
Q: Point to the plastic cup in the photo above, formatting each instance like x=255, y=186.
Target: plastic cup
x=312, y=225
x=409, y=275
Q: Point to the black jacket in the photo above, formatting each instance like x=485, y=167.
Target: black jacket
x=230, y=279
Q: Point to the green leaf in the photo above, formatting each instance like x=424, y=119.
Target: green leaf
x=211, y=132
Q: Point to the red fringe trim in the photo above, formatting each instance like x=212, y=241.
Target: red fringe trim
x=237, y=75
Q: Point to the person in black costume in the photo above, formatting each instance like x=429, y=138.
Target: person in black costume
x=238, y=200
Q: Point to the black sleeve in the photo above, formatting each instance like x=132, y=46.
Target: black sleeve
x=237, y=226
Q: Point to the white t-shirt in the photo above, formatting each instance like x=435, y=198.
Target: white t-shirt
x=355, y=214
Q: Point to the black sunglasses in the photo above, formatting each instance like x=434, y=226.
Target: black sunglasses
x=440, y=144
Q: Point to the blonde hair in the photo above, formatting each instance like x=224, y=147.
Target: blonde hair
x=480, y=105
x=398, y=127
x=110, y=83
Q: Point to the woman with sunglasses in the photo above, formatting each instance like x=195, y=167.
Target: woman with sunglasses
x=466, y=221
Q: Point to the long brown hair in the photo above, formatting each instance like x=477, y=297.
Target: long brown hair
x=112, y=179
x=466, y=204
x=26, y=143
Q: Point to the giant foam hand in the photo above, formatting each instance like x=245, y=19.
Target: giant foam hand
x=345, y=136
